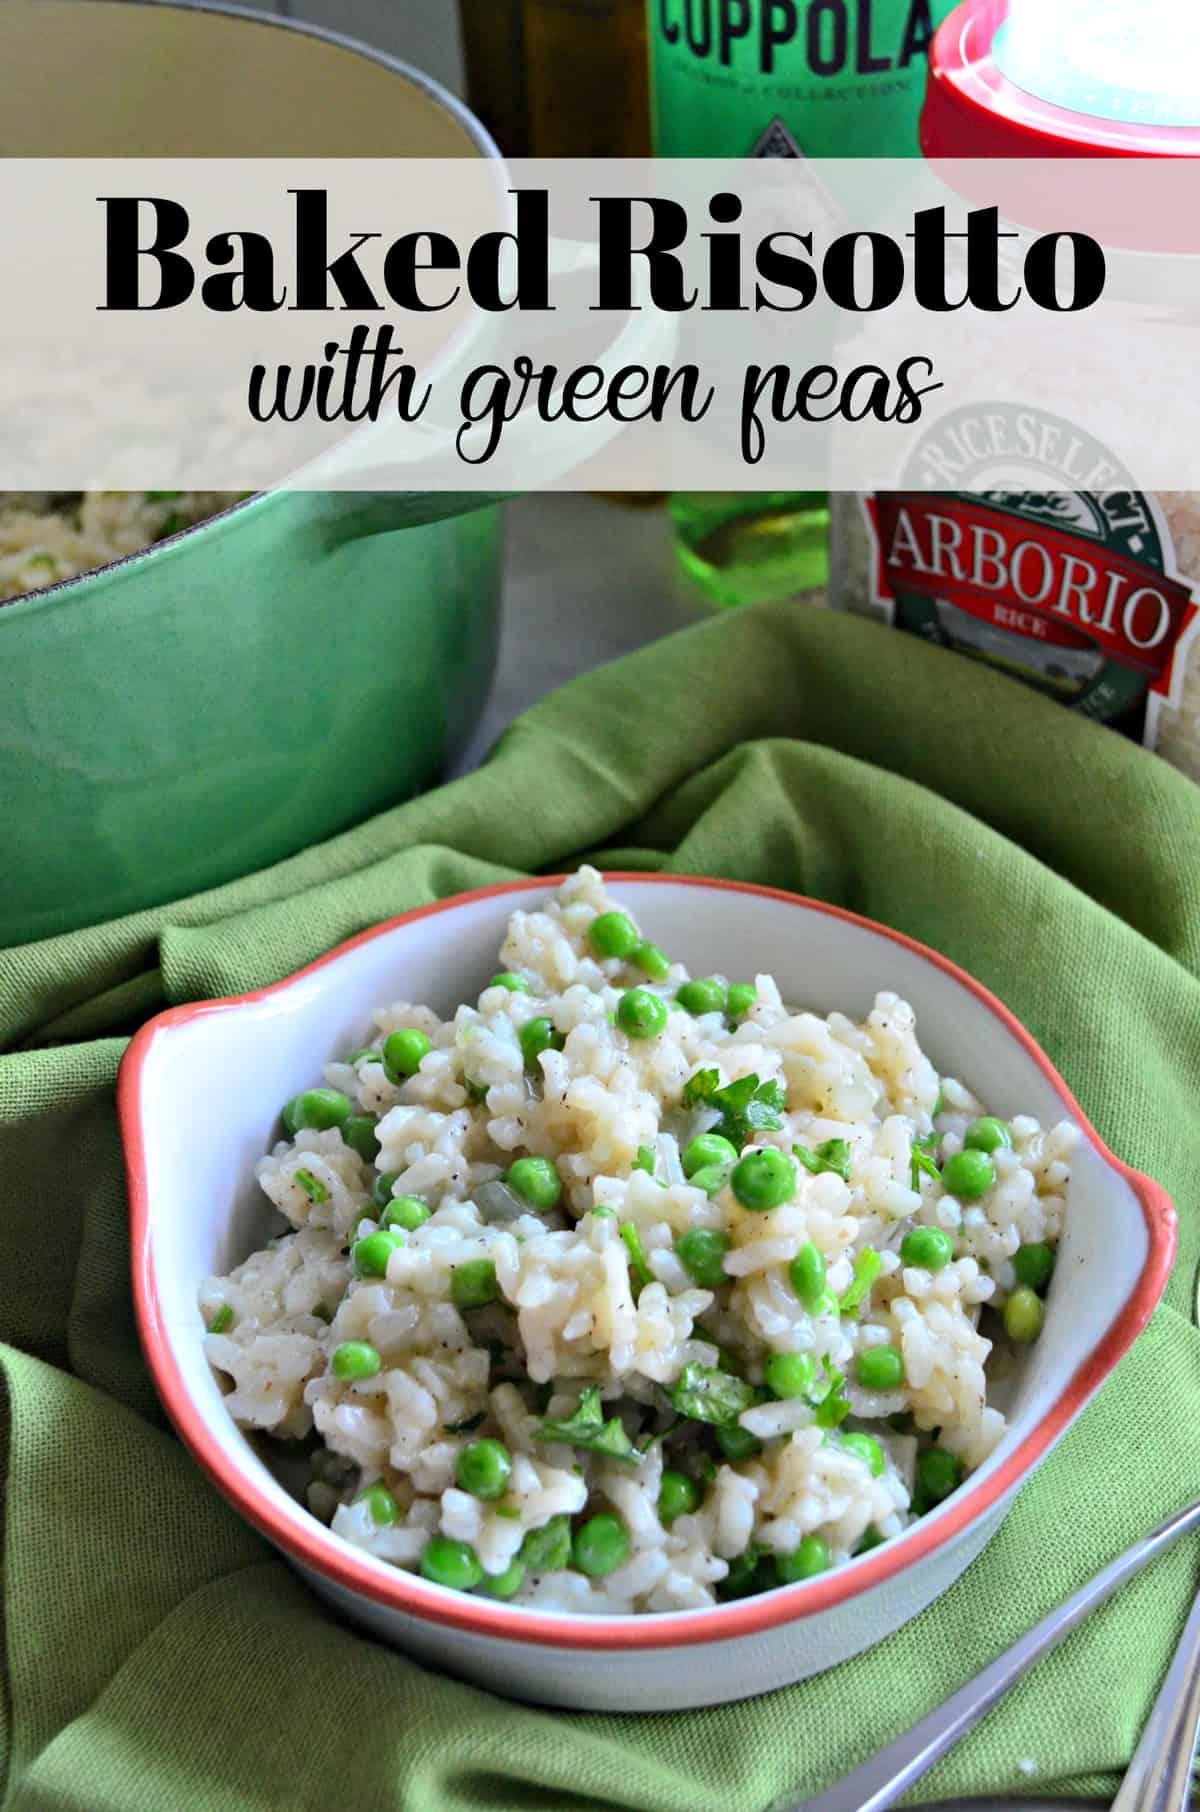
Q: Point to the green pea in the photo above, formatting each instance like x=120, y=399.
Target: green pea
x=353, y=1360
x=641, y=1014
x=516, y=984
x=536, y=1181
x=868, y=1451
x=826, y=1304
x=1024, y=1313
x=536, y=1036
x=1033, y=1266
x=222, y=1319
x=381, y=1188
x=749, y=1572
x=364, y=1052
x=651, y=961
x=408, y=1212
x=712, y=1178
x=987, y=1134
x=790, y=1374
x=804, y=1562
x=807, y=1275
x=701, y=1251
x=707, y=1148
x=737, y=1443
x=938, y=1473
x=968, y=1175
x=370, y=1255
x=473, y=1285
x=927, y=1248
x=678, y=1495
x=379, y=1500
x=613, y=934
x=880, y=1368
x=358, y=1132
x=600, y=1545
x=317, y=1109
x=506, y=1584
x=451, y=1563
x=403, y=1051
x=871, y=1538
x=740, y=999
x=707, y=996
x=484, y=1468
x=763, y=1180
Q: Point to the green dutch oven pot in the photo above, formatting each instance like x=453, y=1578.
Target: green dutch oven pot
x=283, y=671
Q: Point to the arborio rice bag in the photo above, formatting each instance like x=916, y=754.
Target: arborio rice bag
x=1089, y=595
x=624, y=1291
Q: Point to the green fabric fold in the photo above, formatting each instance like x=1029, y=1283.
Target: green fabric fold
x=156, y=1653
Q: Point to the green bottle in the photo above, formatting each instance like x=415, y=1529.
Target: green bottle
x=779, y=78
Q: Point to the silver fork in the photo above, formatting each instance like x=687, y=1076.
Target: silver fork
x=1159, y=1776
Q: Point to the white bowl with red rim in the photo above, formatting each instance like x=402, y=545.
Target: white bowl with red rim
x=199, y=1096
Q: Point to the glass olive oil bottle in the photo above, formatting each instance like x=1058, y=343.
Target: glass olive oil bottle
x=559, y=78
x=587, y=78
x=779, y=78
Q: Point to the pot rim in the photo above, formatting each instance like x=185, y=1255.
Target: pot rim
x=67, y=589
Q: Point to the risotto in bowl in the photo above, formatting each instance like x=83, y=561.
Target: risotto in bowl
x=628, y=1263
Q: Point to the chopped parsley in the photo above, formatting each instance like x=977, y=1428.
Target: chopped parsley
x=645, y=1159
x=640, y=1273
x=746, y=1106
x=705, y=1394
x=867, y=1267
x=700, y=1087
x=831, y=1154
x=827, y=1400
x=312, y=1186
x=548, y=1549
x=588, y=1429
x=922, y=1160
x=221, y=1320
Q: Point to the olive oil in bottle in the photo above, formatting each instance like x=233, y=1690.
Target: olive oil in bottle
x=779, y=78
x=494, y=59
x=559, y=78
x=587, y=78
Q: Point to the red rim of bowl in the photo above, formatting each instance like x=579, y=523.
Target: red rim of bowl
x=308, y=1541
x=972, y=109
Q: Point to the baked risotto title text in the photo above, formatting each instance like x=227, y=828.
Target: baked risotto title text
x=648, y=256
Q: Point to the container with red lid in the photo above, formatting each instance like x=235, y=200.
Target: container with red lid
x=1091, y=596
x=1064, y=78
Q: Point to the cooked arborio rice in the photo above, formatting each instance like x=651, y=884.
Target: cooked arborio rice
x=45, y=536
x=587, y=1313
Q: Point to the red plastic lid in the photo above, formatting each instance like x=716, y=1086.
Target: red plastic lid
x=1095, y=90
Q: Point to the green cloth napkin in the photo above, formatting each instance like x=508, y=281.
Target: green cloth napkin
x=158, y=1655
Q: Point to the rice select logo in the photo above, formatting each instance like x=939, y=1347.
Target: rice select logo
x=1071, y=589
x=835, y=37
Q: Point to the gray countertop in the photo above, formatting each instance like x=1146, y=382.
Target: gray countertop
x=586, y=581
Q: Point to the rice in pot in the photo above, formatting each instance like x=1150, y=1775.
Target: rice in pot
x=47, y=537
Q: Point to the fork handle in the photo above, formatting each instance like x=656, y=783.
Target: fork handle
x=1159, y=1778
x=879, y=1782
